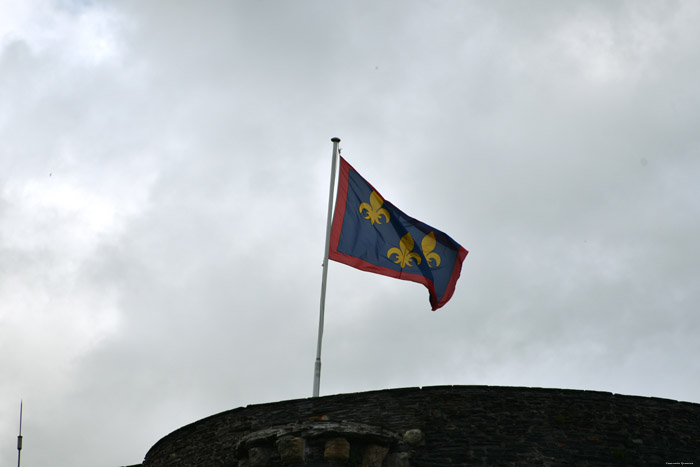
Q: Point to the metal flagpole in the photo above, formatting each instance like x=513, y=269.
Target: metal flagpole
x=19, y=438
x=317, y=368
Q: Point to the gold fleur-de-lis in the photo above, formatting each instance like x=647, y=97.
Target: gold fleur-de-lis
x=428, y=245
x=374, y=210
x=404, y=255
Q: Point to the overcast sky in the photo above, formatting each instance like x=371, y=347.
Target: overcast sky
x=164, y=171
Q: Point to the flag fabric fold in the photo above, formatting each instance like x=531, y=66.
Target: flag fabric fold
x=371, y=234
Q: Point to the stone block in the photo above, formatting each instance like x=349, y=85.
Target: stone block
x=258, y=457
x=413, y=437
x=291, y=450
x=398, y=459
x=337, y=450
x=374, y=455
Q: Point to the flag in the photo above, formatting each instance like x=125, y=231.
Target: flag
x=371, y=234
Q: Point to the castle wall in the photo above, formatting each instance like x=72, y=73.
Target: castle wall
x=442, y=426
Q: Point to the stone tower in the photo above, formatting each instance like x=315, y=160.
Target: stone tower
x=442, y=426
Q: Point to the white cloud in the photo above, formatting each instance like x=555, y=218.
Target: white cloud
x=86, y=33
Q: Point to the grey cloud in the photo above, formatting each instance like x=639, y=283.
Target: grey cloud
x=162, y=209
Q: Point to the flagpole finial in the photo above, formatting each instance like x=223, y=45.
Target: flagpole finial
x=335, y=139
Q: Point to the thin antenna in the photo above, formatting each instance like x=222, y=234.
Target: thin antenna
x=19, y=438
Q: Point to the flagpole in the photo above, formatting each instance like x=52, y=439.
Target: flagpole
x=317, y=367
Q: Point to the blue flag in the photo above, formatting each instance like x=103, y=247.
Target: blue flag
x=371, y=234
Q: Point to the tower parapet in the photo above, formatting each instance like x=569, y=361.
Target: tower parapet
x=442, y=426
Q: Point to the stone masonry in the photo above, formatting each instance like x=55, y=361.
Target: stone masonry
x=442, y=426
